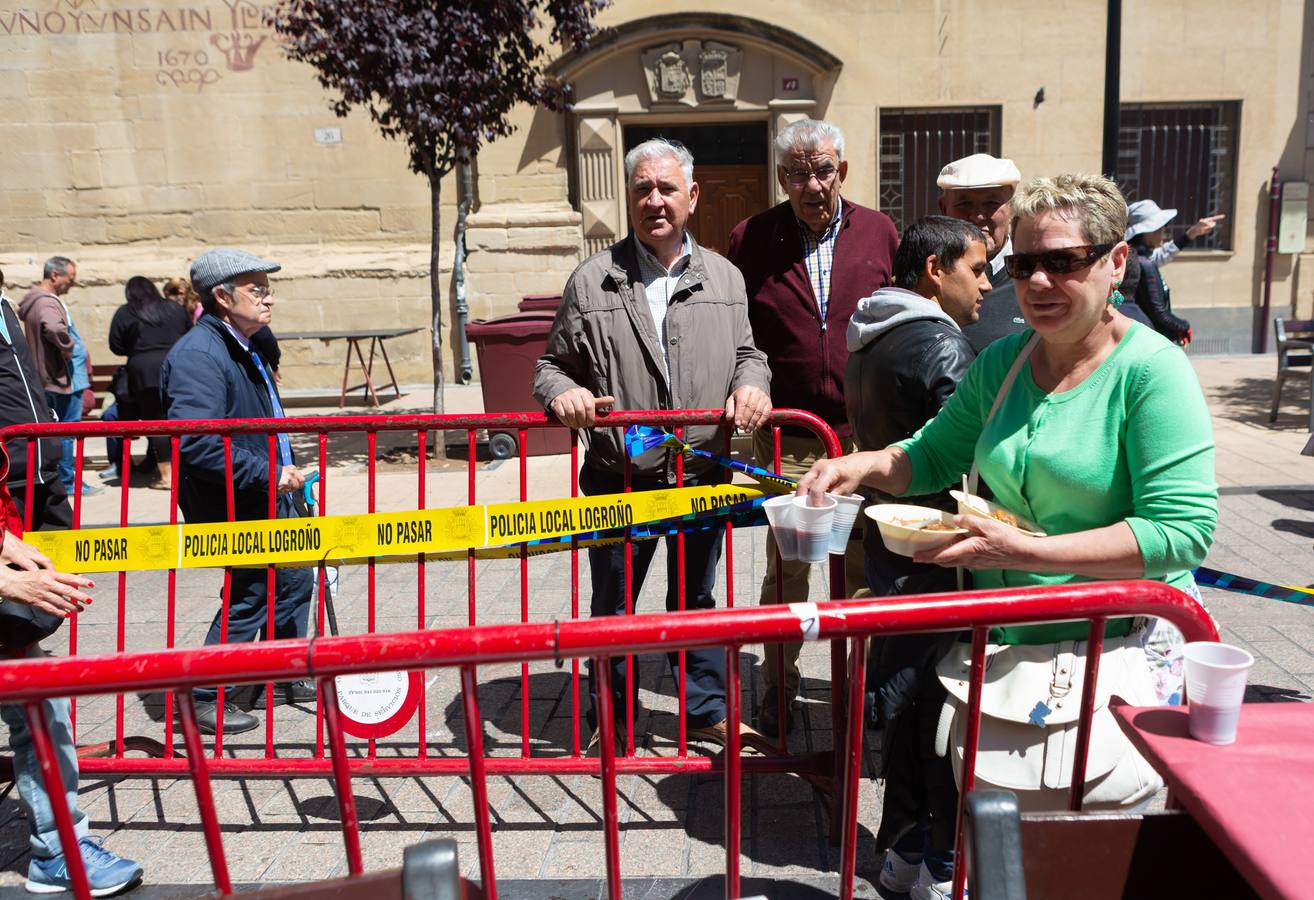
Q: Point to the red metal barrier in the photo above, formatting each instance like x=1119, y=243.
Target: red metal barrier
x=161, y=759
x=179, y=671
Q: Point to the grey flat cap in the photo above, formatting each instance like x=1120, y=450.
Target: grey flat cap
x=224, y=264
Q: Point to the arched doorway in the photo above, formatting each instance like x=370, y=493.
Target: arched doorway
x=722, y=85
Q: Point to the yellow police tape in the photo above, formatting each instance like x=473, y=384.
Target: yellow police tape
x=441, y=531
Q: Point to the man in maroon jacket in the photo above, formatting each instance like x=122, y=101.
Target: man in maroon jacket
x=806, y=263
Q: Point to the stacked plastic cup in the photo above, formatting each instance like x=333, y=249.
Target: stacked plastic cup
x=780, y=516
x=813, y=524
x=846, y=512
x=1215, y=686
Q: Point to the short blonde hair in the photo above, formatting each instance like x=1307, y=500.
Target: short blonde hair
x=1093, y=201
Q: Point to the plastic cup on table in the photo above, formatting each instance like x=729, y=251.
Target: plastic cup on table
x=846, y=513
x=813, y=524
x=780, y=516
x=1215, y=686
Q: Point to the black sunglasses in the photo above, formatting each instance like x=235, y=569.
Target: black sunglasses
x=1064, y=261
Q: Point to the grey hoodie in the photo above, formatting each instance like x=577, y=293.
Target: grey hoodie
x=888, y=307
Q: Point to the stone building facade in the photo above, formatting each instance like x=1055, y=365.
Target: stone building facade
x=136, y=134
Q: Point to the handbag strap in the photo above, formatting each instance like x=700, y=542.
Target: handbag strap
x=973, y=478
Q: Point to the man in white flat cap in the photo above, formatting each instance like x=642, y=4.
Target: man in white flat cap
x=215, y=372
x=977, y=189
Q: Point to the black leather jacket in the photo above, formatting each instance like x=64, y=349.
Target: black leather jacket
x=894, y=384
x=1152, y=297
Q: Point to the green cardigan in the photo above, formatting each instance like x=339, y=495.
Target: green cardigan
x=1133, y=442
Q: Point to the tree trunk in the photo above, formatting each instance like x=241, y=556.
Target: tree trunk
x=435, y=293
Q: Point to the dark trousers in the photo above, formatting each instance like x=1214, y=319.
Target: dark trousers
x=920, y=804
x=50, y=507
x=247, y=613
x=705, y=685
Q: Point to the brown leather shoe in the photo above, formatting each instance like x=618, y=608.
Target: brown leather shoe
x=717, y=734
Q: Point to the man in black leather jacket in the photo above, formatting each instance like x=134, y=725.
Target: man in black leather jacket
x=907, y=353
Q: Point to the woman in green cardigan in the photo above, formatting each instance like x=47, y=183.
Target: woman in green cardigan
x=1103, y=437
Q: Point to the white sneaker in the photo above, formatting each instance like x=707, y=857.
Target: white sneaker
x=898, y=874
x=929, y=889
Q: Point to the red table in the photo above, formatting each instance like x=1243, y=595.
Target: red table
x=1254, y=798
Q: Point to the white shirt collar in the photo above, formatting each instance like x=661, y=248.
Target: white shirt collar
x=246, y=344
x=997, y=261
x=686, y=252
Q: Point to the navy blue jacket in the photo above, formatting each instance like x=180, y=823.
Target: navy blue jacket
x=208, y=375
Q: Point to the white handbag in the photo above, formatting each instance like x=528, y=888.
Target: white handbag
x=1030, y=704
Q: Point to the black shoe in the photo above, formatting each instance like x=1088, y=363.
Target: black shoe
x=768, y=712
x=301, y=692
x=235, y=721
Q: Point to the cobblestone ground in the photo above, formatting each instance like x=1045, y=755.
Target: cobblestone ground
x=549, y=828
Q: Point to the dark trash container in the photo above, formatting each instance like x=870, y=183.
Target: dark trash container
x=540, y=303
x=508, y=348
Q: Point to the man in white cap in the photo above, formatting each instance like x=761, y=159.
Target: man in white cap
x=214, y=372
x=977, y=189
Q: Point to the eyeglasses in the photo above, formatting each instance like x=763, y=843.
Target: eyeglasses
x=800, y=177
x=258, y=291
x=1063, y=261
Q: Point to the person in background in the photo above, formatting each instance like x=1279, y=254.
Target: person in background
x=216, y=372
x=806, y=262
x=59, y=355
x=144, y=330
x=1146, y=231
x=909, y=353
x=179, y=290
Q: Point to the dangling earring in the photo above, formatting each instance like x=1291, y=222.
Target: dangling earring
x=1116, y=298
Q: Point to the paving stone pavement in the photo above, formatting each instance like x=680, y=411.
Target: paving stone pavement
x=547, y=829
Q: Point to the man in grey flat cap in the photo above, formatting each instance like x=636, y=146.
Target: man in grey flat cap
x=977, y=189
x=214, y=372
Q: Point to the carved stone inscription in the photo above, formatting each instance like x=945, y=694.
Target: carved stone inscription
x=692, y=72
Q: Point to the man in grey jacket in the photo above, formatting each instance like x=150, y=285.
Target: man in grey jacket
x=656, y=322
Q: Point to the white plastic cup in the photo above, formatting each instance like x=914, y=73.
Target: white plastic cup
x=1215, y=687
x=813, y=524
x=846, y=513
x=780, y=516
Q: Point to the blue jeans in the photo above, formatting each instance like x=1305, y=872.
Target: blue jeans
x=67, y=408
x=44, y=839
x=113, y=446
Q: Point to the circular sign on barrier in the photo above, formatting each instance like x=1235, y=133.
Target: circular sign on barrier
x=376, y=704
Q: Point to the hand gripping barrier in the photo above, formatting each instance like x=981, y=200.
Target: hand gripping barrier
x=330, y=439
x=31, y=682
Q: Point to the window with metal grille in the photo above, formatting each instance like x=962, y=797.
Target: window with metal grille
x=1182, y=156
x=915, y=144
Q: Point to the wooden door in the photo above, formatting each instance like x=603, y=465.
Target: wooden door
x=727, y=194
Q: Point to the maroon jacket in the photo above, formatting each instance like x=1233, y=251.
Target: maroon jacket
x=807, y=357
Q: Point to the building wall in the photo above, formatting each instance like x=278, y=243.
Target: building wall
x=137, y=136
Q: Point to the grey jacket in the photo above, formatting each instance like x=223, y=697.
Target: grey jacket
x=604, y=339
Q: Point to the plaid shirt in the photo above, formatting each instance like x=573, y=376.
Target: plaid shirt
x=819, y=255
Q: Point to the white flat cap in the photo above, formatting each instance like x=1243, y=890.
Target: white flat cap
x=978, y=171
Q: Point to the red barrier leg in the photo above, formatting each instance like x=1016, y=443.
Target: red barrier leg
x=204, y=795
x=39, y=727
x=607, y=735
x=328, y=696
x=1094, y=647
x=969, y=755
x=732, y=771
x=474, y=741
x=852, y=772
